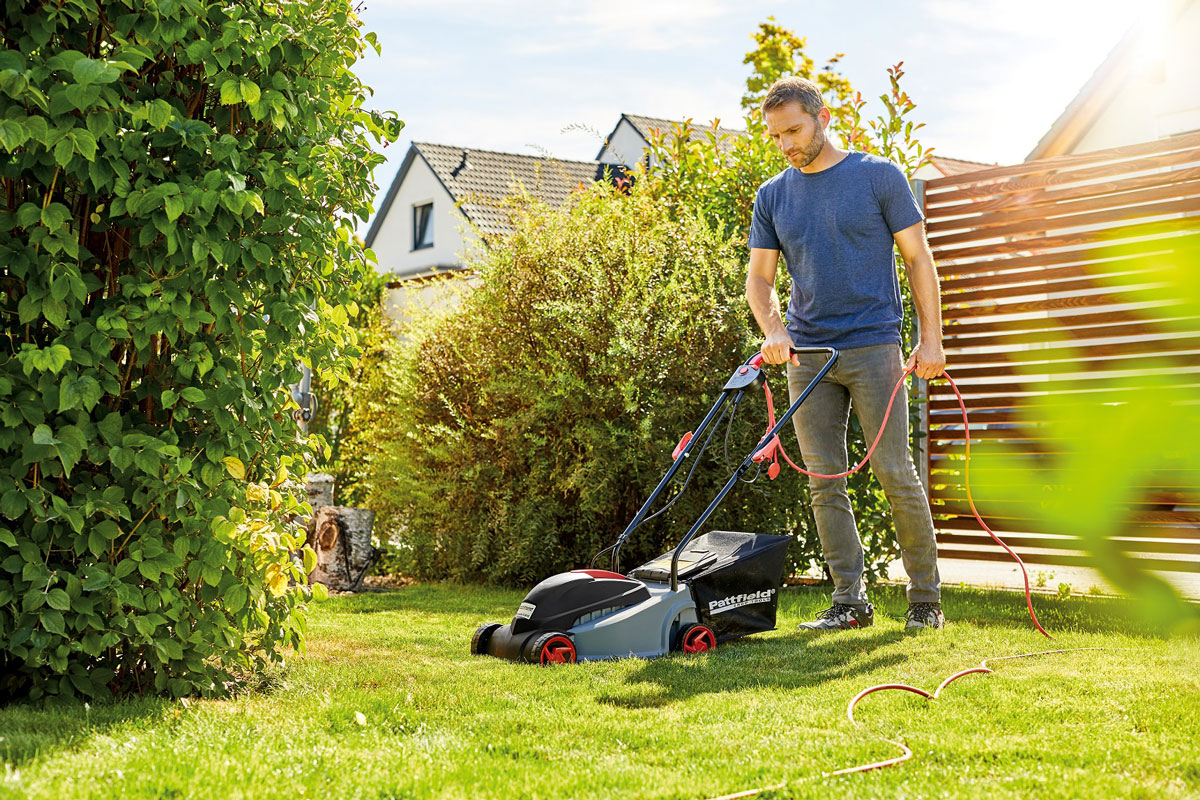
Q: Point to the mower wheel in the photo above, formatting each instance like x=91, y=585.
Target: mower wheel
x=550, y=648
x=695, y=638
x=483, y=634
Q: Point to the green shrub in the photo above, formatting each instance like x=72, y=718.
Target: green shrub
x=528, y=425
x=174, y=241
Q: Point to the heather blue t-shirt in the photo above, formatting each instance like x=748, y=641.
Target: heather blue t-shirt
x=834, y=228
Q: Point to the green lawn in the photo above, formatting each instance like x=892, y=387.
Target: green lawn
x=437, y=722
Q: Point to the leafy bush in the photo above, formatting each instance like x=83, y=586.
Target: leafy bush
x=526, y=427
x=173, y=244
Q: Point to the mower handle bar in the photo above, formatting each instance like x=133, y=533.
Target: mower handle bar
x=754, y=362
x=749, y=460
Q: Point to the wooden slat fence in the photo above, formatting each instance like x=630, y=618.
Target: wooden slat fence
x=1052, y=281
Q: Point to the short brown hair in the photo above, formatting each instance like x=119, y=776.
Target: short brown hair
x=794, y=89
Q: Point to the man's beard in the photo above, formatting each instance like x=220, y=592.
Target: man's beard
x=812, y=150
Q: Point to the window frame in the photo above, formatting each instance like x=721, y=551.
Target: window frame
x=422, y=236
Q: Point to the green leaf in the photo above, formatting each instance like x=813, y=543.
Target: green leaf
x=12, y=505
x=71, y=447
x=193, y=395
x=63, y=151
x=87, y=71
x=85, y=143
x=230, y=93
x=58, y=598
x=12, y=134
x=53, y=622
x=171, y=649
x=55, y=215
x=249, y=91
x=42, y=435
x=235, y=599
x=97, y=580
x=159, y=113
x=79, y=391
x=234, y=467
x=145, y=626
x=110, y=428
x=174, y=207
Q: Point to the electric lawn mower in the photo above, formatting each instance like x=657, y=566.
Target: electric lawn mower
x=711, y=588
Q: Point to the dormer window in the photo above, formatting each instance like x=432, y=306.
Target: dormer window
x=422, y=226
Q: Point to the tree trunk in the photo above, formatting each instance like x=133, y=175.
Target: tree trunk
x=341, y=537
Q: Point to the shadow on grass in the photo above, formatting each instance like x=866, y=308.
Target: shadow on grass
x=1076, y=614
x=798, y=662
x=28, y=730
x=992, y=608
x=433, y=598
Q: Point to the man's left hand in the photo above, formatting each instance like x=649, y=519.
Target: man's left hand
x=929, y=358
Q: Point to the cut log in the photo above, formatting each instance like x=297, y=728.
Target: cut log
x=341, y=537
x=319, y=487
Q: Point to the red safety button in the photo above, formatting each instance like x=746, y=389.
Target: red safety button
x=743, y=370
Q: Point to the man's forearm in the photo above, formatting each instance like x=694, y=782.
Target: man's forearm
x=764, y=303
x=927, y=296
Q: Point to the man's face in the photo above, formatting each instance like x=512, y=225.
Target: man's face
x=797, y=134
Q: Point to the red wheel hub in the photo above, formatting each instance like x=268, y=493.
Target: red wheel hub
x=699, y=639
x=559, y=650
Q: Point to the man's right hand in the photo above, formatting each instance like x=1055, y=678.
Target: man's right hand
x=776, y=348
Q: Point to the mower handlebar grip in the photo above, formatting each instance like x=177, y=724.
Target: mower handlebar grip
x=757, y=359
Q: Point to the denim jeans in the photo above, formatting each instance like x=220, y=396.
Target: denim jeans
x=864, y=377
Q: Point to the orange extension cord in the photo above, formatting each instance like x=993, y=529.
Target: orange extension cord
x=768, y=452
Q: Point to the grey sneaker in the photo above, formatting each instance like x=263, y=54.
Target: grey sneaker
x=840, y=617
x=925, y=615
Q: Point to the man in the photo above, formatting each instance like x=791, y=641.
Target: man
x=835, y=216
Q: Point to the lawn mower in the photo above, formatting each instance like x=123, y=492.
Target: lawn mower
x=710, y=588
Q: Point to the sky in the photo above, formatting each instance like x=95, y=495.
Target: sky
x=989, y=77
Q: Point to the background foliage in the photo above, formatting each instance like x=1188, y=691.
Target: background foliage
x=174, y=241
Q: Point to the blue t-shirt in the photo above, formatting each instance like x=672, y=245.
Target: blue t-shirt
x=835, y=229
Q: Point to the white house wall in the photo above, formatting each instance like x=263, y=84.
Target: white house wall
x=1161, y=95
x=393, y=244
x=626, y=146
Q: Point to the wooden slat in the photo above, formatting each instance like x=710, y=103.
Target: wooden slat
x=1081, y=353
x=1128, y=282
x=1123, y=215
x=1098, y=300
x=1119, y=160
x=1093, y=366
x=1187, y=325
x=1165, y=490
x=1072, y=543
x=1062, y=215
x=1060, y=559
x=968, y=523
x=1038, y=198
x=1083, y=384
x=1040, y=244
x=954, y=288
x=1158, y=248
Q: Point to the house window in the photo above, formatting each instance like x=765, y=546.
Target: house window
x=422, y=226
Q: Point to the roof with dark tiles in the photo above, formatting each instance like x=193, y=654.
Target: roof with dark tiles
x=698, y=131
x=482, y=179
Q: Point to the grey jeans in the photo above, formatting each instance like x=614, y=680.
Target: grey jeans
x=864, y=376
